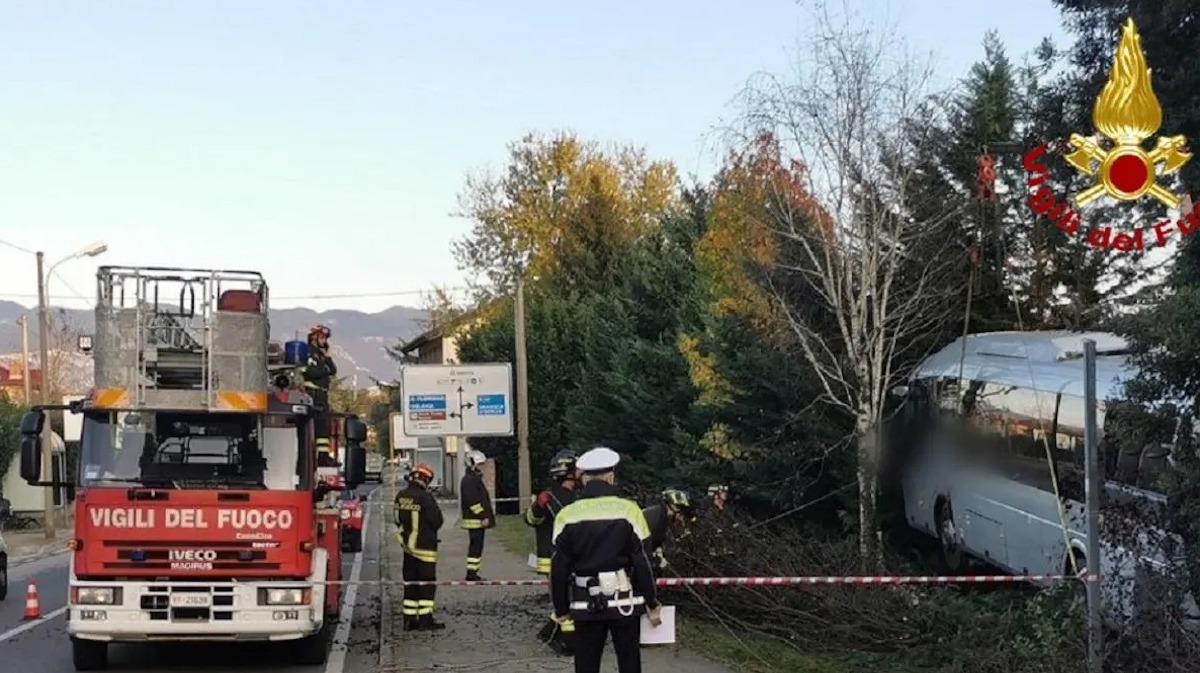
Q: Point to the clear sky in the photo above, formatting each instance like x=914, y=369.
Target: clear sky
x=324, y=143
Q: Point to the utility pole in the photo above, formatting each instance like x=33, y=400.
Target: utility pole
x=524, y=480
x=44, y=397
x=1093, y=485
x=25, y=378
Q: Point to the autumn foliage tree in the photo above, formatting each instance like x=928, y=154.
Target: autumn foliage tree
x=563, y=209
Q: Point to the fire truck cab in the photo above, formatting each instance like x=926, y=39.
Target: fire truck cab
x=199, y=513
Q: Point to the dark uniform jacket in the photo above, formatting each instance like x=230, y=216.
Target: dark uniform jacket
x=476, y=503
x=599, y=532
x=320, y=369
x=419, y=518
x=660, y=527
x=542, y=520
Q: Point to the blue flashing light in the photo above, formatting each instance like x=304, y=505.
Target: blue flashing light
x=137, y=556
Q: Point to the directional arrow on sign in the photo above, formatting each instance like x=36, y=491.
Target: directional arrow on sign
x=461, y=406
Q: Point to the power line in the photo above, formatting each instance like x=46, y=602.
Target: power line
x=14, y=246
x=350, y=295
x=365, y=295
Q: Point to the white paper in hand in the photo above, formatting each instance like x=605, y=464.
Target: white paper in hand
x=664, y=633
x=532, y=561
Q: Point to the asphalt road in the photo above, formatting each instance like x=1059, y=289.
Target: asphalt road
x=43, y=645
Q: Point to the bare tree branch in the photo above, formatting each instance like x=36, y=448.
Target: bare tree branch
x=856, y=277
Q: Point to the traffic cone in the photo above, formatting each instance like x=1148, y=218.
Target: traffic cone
x=33, y=610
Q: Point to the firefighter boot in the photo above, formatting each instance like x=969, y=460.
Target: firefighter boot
x=412, y=623
x=473, y=576
x=428, y=623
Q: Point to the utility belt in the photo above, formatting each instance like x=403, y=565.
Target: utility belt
x=606, y=595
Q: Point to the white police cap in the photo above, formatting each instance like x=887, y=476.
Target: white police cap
x=599, y=459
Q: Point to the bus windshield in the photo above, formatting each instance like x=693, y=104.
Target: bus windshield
x=193, y=450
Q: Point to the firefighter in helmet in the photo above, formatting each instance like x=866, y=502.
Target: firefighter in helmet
x=560, y=492
x=419, y=518
x=673, y=511
x=319, y=372
x=477, y=515
x=720, y=496
x=722, y=519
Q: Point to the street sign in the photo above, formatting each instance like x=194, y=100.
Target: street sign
x=471, y=400
x=400, y=440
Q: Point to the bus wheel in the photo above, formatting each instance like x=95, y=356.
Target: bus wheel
x=950, y=543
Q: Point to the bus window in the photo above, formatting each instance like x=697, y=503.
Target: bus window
x=1155, y=463
x=1135, y=446
x=1029, y=419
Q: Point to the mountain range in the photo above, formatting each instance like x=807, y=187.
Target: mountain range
x=359, y=339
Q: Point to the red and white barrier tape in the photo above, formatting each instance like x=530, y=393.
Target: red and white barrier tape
x=763, y=581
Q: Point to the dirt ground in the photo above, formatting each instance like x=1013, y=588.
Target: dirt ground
x=490, y=628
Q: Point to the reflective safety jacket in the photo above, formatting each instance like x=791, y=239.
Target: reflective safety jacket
x=476, y=502
x=541, y=518
x=595, y=537
x=660, y=525
x=419, y=518
x=320, y=369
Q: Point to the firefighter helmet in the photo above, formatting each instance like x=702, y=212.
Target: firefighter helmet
x=475, y=459
x=319, y=329
x=677, y=499
x=562, y=465
x=718, y=488
x=422, y=473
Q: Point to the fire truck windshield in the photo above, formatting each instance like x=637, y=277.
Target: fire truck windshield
x=193, y=450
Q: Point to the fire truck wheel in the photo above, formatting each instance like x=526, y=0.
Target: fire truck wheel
x=352, y=541
x=89, y=655
x=3, y=577
x=314, y=650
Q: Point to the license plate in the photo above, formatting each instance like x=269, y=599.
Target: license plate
x=190, y=600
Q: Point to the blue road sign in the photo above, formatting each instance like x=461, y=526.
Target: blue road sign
x=427, y=402
x=490, y=405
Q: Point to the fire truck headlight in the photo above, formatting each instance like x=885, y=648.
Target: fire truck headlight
x=95, y=596
x=345, y=514
x=284, y=596
x=358, y=514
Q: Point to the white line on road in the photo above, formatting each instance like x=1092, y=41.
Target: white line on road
x=29, y=626
x=341, y=637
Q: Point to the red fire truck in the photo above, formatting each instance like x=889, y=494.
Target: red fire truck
x=200, y=513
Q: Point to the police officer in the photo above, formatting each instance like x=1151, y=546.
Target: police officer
x=318, y=375
x=419, y=518
x=477, y=515
x=600, y=575
x=540, y=516
x=674, y=510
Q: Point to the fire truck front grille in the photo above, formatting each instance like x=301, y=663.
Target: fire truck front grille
x=189, y=603
x=158, y=555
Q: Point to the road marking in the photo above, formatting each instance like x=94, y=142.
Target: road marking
x=29, y=626
x=341, y=636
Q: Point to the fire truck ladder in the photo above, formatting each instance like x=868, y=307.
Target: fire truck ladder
x=175, y=338
x=175, y=353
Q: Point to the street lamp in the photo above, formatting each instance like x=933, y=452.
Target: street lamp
x=91, y=250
